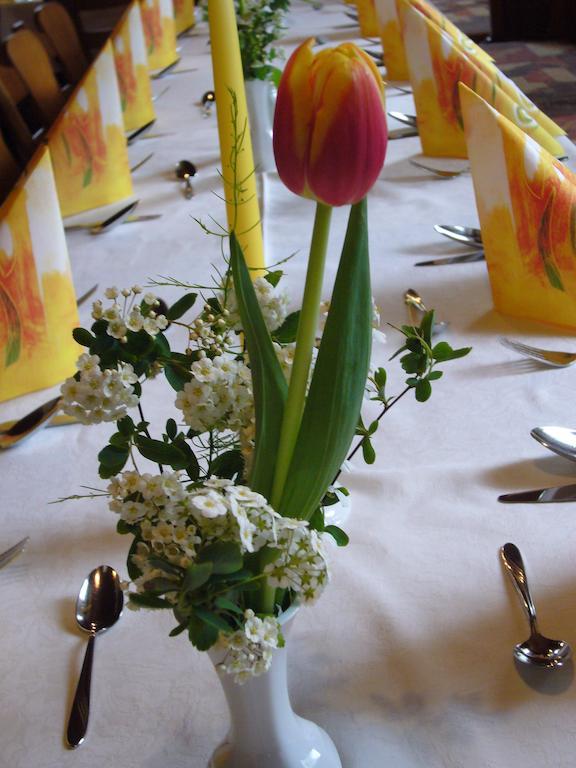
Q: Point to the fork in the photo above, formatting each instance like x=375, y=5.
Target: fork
x=13, y=552
x=544, y=356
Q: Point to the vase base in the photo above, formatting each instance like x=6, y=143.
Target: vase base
x=310, y=747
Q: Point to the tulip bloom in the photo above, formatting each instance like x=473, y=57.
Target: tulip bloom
x=330, y=131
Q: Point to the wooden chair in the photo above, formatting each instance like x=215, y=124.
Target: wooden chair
x=16, y=132
x=28, y=56
x=9, y=170
x=54, y=21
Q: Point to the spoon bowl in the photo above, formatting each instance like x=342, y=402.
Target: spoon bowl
x=186, y=170
x=467, y=235
x=414, y=301
x=559, y=440
x=98, y=607
x=542, y=651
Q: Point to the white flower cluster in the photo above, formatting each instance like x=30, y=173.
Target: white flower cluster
x=99, y=395
x=273, y=302
x=174, y=523
x=376, y=332
x=211, y=333
x=129, y=316
x=219, y=396
x=249, y=650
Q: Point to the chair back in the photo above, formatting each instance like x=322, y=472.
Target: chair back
x=9, y=169
x=30, y=59
x=16, y=132
x=54, y=21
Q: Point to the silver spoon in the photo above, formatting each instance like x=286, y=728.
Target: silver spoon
x=467, y=235
x=29, y=424
x=186, y=170
x=413, y=301
x=560, y=440
x=98, y=607
x=538, y=650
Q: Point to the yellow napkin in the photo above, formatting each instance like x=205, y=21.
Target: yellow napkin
x=37, y=301
x=437, y=64
x=393, y=43
x=131, y=63
x=367, y=17
x=87, y=142
x=527, y=206
x=159, y=33
x=184, y=15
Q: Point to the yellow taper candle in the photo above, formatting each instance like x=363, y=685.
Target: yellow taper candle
x=244, y=218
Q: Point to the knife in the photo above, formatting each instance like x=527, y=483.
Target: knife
x=402, y=133
x=139, y=131
x=541, y=495
x=464, y=258
x=10, y=554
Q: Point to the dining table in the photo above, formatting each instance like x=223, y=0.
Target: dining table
x=407, y=658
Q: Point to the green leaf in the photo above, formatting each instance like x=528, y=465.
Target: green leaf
x=212, y=619
x=423, y=390
x=181, y=306
x=196, y=575
x=368, y=451
x=434, y=375
x=177, y=630
x=427, y=325
x=337, y=388
x=164, y=565
x=228, y=464
x=228, y=605
x=340, y=537
x=171, y=428
x=274, y=277
x=162, y=453
x=202, y=635
x=380, y=378
x=112, y=460
x=268, y=382
x=223, y=556
x=119, y=440
x=149, y=601
x=82, y=337
x=125, y=426
x=177, y=376
x=286, y=334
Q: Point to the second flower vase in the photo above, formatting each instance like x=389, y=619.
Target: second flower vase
x=264, y=730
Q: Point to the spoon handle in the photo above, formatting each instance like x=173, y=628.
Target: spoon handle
x=78, y=722
x=514, y=564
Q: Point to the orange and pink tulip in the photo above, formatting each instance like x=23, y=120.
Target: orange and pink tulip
x=330, y=131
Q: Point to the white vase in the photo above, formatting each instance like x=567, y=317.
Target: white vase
x=264, y=730
x=261, y=101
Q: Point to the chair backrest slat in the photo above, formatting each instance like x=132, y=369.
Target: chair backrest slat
x=55, y=22
x=30, y=59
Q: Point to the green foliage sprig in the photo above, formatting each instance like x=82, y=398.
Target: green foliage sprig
x=260, y=24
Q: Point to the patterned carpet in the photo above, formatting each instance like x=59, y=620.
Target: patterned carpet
x=546, y=71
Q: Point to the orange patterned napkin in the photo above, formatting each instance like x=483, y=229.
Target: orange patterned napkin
x=527, y=206
x=37, y=301
x=367, y=17
x=393, y=43
x=437, y=64
x=131, y=63
x=159, y=32
x=184, y=15
x=87, y=142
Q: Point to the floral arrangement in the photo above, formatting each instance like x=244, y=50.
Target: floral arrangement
x=260, y=24
x=230, y=530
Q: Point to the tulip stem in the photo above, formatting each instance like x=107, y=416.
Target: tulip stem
x=305, y=339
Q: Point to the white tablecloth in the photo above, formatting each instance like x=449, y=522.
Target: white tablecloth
x=407, y=658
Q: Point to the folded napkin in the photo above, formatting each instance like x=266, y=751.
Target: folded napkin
x=87, y=142
x=37, y=302
x=184, y=15
x=526, y=202
x=367, y=17
x=437, y=63
x=159, y=33
x=131, y=61
x=393, y=42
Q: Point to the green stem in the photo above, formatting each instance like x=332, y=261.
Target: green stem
x=305, y=339
x=306, y=336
